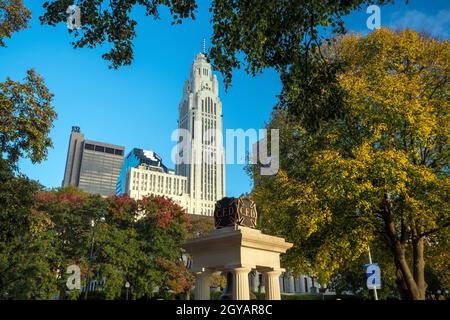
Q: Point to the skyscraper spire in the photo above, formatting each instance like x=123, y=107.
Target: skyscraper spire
x=204, y=46
x=202, y=159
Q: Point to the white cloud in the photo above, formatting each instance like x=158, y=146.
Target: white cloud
x=437, y=25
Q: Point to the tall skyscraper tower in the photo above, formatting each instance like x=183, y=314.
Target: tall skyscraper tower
x=92, y=166
x=200, y=113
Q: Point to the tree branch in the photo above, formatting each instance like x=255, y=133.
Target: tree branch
x=427, y=233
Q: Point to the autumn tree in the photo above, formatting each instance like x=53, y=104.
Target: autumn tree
x=162, y=229
x=14, y=16
x=71, y=214
x=116, y=239
x=377, y=169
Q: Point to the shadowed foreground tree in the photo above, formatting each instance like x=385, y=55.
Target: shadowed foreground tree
x=112, y=22
x=268, y=33
x=25, y=251
x=377, y=171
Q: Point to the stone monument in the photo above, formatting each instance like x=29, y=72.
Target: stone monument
x=237, y=247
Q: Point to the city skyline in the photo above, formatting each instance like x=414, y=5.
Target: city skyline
x=139, y=103
x=224, y=150
x=198, y=180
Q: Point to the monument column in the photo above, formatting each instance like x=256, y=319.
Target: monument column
x=297, y=284
x=302, y=284
x=291, y=284
x=272, y=281
x=202, y=290
x=241, y=290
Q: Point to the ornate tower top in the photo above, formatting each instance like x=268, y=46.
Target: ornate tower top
x=202, y=77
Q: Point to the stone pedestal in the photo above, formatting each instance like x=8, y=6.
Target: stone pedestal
x=239, y=250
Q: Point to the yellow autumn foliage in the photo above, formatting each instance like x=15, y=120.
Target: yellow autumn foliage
x=392, y=140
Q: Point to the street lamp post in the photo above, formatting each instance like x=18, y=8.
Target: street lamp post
x=86, y=289
x=127, y=286
x=91, y=254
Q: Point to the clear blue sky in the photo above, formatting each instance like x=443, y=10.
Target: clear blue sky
x=137, y=106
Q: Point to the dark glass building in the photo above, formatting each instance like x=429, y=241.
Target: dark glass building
x=92, y=166
x=136, y=158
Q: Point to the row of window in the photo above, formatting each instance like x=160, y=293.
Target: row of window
x=208, y=209
x=209, y=127
x=97, y=148
x=156, y=183
x=203, y=71
x=208, y=181
x=208, y=106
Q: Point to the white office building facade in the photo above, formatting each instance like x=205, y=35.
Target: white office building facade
x=142, y=182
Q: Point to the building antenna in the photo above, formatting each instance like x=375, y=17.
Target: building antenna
x=204, y=46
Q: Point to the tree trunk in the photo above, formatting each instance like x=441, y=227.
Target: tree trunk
x=405, y=280
x=404, y=275
x=401, y=286
x=419, y=266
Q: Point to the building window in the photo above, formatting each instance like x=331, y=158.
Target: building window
x=99, y=149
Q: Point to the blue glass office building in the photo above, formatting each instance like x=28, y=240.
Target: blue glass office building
x=136, y=158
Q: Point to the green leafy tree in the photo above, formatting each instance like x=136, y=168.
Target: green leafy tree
x=111, y=22
x=26, y=117
x=379, y=170
x=267, y=33
x=274, y=34
x=351, y=278
x=71, y=213
x=25, y=251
